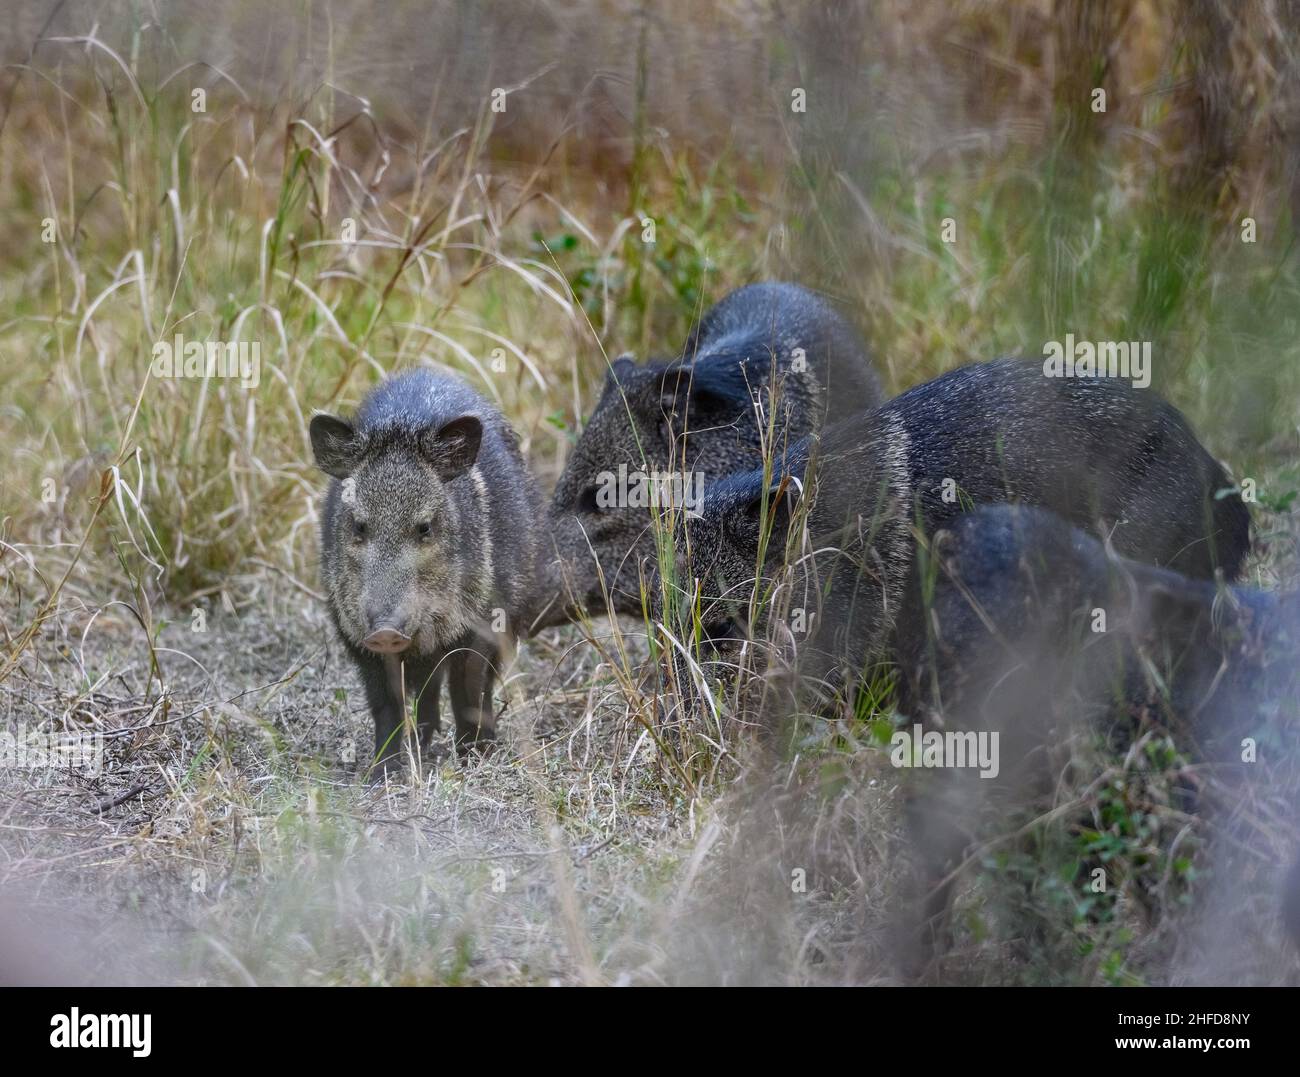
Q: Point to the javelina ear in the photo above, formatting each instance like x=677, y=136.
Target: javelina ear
x=620, y=369
x=454, y=448
x=708, y=394
x=335, y=445
x=745, y=522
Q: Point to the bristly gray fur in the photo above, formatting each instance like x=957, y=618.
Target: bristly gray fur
x=764, y=346
x=459, y=591
x=1116, y=460
x=1037, y=635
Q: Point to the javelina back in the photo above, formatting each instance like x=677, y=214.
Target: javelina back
x=1100, y=453
x=1037, y=634
x=429, y=549
x=705, y=413
x=1011, y=580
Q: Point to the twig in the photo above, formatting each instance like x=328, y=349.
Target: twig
x=121, y=798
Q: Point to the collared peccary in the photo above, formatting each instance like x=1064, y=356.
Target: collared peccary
x=1103, y=455
x=1014, y=584
x=429, y=549
x=708, y=412
x=1035, y=633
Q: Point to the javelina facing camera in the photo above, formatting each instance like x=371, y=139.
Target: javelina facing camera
x=767, y=353
x=428, y=550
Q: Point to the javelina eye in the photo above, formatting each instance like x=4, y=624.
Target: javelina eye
x=588, y=505
x=424, y=528
x=359, y=531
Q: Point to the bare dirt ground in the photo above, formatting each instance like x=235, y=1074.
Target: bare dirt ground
x=230, y=833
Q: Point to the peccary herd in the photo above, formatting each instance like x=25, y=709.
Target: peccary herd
x=1097, y=452
x=966, y=534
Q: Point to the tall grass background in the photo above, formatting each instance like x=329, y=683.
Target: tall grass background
x=508, y=247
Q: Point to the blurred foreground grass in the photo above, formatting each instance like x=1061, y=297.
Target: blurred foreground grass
x=350, y=232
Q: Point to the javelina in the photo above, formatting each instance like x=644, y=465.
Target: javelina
x=707, y=413
x=429, y=549
x=1097, y=451
x=1037, y=634
x=1016, y=577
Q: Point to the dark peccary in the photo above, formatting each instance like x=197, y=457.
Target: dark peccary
x=1103, y=455
x=1016, y=576
x=698, y=414
x=429, y=550
x=1010, y=641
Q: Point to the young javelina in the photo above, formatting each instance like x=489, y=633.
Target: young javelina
x=705, y=413
x=428, y=549
x=1098, y=452
x=1035, y=633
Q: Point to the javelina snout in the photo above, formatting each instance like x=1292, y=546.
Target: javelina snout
x=763, y=368
x=386, y=641
x=429, y=550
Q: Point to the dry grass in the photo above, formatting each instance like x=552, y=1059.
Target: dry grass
x=229, y=836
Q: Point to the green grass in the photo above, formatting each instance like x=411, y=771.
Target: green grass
x=476, y=233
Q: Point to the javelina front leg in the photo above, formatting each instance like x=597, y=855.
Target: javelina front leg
x=382, y=681
x=472, y=676
x=424, y=685
x=938, y=842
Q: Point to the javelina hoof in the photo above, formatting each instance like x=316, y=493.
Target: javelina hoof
x=434, y=754
x=396, y=766
x=480, y=742
x=393, y=766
